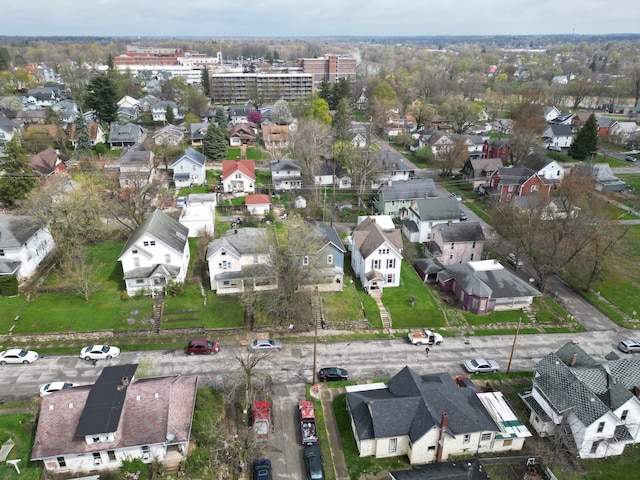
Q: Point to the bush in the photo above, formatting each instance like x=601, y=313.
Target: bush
x=8, y=286
x=174, y=288
x=424, y=154
x=124, y=296
x=101, y=148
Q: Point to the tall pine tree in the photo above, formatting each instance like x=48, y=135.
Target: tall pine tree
x=585, y=142
x=204, y=81
x=102, y=97
x=220, y=118
x=18, y=178
x=215, y=144
x=83, y=145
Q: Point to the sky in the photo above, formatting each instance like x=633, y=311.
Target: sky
x=309, y=18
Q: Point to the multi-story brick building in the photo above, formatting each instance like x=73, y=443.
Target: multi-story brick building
x=329, y=67
x=233, y=88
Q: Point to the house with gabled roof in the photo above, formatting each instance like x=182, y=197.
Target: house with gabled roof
x=496, y=148
x=593, y=405
x=24, y=243
x=606, y=126
x=274, y=136
x=565, y=118
x=241, y=260
x=286, y=174
x=557, y=136
x=159, y=110
x=395, y=198
x=95, y=131
x=168, y=135
x=238, y=176
x=546, y=168
x=507, y=183
x=94, y=428
x=390, y=166
x=127, y=135
x=455, y=243
x=479, y=170
x=189, y=168
x=30, y=117
x=68, y=111
x=257, y=204
x=376, y=253
x=197, y=132
x=550, y=113
x=429, y=418
x=426, y=213
x=47, y=163
x=8, y=129
x=238, y=113
x=242, y=134
x=156, y=253
x=136, y=167
x=331, y=172
x=485, y=285
x=326, y=260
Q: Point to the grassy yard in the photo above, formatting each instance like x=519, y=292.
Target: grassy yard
x=20, y=428
x=252, y=153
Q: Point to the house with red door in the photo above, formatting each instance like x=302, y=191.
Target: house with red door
x=494, y=148
x=509, y=182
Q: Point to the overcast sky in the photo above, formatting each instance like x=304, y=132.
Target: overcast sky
x=304, y=18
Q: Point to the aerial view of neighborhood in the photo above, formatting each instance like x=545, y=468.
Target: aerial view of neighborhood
x=365, y=258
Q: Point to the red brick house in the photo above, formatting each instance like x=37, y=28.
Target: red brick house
x=510, y=182
x=496, y=149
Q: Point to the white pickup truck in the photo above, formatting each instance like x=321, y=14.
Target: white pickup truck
x=425, y=337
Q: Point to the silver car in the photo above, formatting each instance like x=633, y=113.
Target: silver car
x=629, y=346
x=480, y=365
x=265, y=344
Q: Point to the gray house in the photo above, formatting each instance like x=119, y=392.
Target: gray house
x=455, y=243
x=327, y=261
x=426, y=213
x=395, y=198
x=127, y=135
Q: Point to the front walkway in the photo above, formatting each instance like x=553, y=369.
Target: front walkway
x=326, y=399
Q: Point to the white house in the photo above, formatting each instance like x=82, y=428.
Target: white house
x=93, y=428
x=426, y=213
x=390, y=166
x=239, y=260
x=593, y=405
x=557, y=136
x=156, y=253
x=330, y=172
x=189, y=168
x=550, y=113
x=285, y=174
x=199, y=214
x=159, y=111
x=546, y=168
x=24, y=243
x=128, y=102
x=376, y=253
x=430, y=418
x=136, y=168
x=257, y=204
x=238, y=176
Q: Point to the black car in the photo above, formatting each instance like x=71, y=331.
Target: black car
x=262, y=469
x=330, y=374
x=313, y=462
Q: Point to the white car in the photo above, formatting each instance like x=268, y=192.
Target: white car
x=18, y=355
x=49, y=388
x=265, y=344
x=480, y=365
x=99, y=352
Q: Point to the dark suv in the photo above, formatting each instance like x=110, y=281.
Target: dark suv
x=313, y=462
x=201, y=346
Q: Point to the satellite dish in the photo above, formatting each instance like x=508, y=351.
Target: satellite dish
x=170, y=437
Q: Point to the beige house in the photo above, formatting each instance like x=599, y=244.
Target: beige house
x=455, y=243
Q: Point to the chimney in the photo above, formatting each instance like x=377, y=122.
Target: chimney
x=573, y=359
x=443, y=432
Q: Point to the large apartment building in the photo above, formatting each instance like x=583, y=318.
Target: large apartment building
x=329, y=67
x=234, y=88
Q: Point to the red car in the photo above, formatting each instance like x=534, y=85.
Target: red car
x=466, y=382
x=201, y=346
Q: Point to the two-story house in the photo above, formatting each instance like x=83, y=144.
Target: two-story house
x=479, y=170
x=429, y=418
x=242, y=134
x=197, y=132
x=426, y=213
x=495, y=148
x=455, y=243
x=376, y=253
x=546, y=168
x=24, y=243
x=159, y=111
x=8, y=129
x=169, y=135
x=557, y=136
x=390, y=166
x=241, y=260
x=47, y=163
x=238, y=176
x=395, y=198
x=156, y=253
x=127, y=135
x=189, y=169
x=508, y=183
x=95, y=131
x=331, y=172
x=324, y=260
x=274, y=136
x=95, y=428
x=136, y=168
x=592, y=405
x=285, y=174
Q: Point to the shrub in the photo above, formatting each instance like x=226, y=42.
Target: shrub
x=8, y=286
x=124, y=296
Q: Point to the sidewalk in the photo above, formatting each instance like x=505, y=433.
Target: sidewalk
x=326, y=398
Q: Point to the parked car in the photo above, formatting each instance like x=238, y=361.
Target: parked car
x=465, y=382
x=313, y=462
x=265, y=344
x=201, y=346
x=463, y=216
x=99, y=352
x=329, y=374
x=262, y=469
x=630, y=158
x=480, y=365
x=511, y=258
x=457, y=196
x=629, y=346
x=18, y=355
x=49, y=388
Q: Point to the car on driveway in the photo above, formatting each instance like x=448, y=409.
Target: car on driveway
x=200, y=346
x=630, y=158
x=463, y=216
x=49, y=388
x=329, y=374
x=511, y=258
x=262, y=469
x=480, y=365
x=18, y=355
x=465, y=382
x=457, y=196
x=313, y=462
x=99, y=352
x=265, y=345
x=629, y=346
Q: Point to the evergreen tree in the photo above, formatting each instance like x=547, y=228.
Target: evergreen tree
x=102, y=97
x=5, y=59
x=585, y=142
x=215, y=144
x=220, y=118
x=18, y=179
x=340, y=122
x=204, y=81
x=324, y=92
x=83, y=145
x=169, y=116
x=341, y=90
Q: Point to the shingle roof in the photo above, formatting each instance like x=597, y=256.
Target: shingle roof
x=244, y=241
x=191, y=155
x=387, y=160
x=461, y=232
x=442, y=208
x=161, y=226
x=284, y=164
x=408, y=190
x=368, y=236
x=246, y=167
x=15, y=230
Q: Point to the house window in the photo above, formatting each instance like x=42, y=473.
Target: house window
x=431, y=447
x=534, y=188
x=509, y=197
x=139, y=281
x=112, y=455
x=135, y=252
x=330, y=259
x=147, y=243
x=1, y=253
x=305, y=260
x=136, y=262
x=255, y=259
x=383, y=251
x=510, y=188
x=473, y=245
x=167, y=258
x=61, y=462
x=467, y=438
x=451, y=257
x=97, y=459
x=474, y=306
x=391, y=263
x=393, y=445
x=485, y=437
x=453, y=245
x=375, y=264
x=623, y=417
x=390, y=278
x=471, y=259
x=594, y=446
x=600, y=427
x=507, y=442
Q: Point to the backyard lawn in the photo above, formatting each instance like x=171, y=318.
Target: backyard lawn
x=20, y=428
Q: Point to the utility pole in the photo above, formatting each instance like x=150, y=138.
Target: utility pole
x=513, y=347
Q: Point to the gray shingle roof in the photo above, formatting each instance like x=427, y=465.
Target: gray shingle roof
x=284, y=164
x=192, y=155
x=15, y=230
x=161, y=226
x=386, y=160
x=461, y=232
x=368, y=236
x=442, y=208
x=408, y=190
x=244, y=241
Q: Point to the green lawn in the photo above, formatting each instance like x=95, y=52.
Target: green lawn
x=19, y=427
x=252, y=153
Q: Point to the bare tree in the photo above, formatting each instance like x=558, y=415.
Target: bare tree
x=528, y=125
x=453, y=155
x=79, y=273
x=461, y=113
